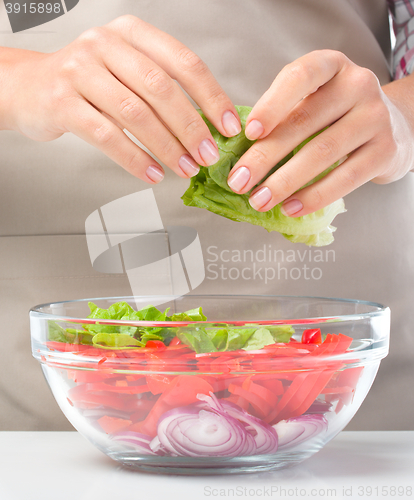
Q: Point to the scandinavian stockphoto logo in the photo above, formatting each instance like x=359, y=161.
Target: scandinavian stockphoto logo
x=127, y=235
x=24, y=14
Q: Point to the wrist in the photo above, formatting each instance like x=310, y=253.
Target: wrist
x=401, y=96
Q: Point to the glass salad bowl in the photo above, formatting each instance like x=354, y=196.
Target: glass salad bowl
x=210, y=384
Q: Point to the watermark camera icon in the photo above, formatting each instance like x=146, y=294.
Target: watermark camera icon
x=127, y=235
x=26, y=14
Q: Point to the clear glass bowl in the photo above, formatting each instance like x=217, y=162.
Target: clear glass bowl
x=175, y=411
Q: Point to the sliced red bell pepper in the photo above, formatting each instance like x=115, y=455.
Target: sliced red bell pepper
x=261, y=407
x=156, y=344
x=313, y=393
x=343, y=387
x=344, y=398
x=272, y=383
x=296, y=384
x=111, y=425
x=84, y=399
x=261, y=391
x=350, y=376
x=158, y=383
x=143, y=407
x=238, y=400
x=121, y=383
x=339, y=406
x=312, y=336
x=174, y=341
x=182, y=391
x=327, y=346
x=343, y=344
x=128, y=389
x=336, y=390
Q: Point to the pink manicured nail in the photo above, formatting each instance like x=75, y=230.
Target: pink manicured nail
x=239, y=179
x=254, y=130
x=231, y=124
x=156, y=174
x=291, y=207
x=209, y=152
x=188, y=166
x=260, y=198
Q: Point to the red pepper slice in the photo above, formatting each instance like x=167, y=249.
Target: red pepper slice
x=239, y=401
x=327, y=347
x=83, y=399
x=143, y=407
x=343, y=343
x=174, y=341
x=156, y=344
x=182, y=391
x=129, y=389
x=111, y=425
x=313, y=393
x=261, y=407
x=158, y=383
x=261, y=391
x=350, y=376
x=312, y=336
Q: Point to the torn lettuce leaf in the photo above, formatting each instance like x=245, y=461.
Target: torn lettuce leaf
x=213, y=339
x=202, y=338
x=209, y=190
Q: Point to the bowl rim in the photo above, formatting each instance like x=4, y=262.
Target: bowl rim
x=379, y=310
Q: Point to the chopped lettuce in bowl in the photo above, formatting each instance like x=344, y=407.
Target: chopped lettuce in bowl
x=209, y=189
x=201, y=339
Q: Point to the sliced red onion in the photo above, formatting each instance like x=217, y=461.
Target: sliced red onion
x=296, y=430
x=156, y=446
x=139, y=442
x=191, y=431
x=264, y=435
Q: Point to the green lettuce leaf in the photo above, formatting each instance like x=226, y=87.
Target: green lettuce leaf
x=209, y=190
x=269, y=335
x=212, y=339
x=197, y=339
x=281, y=333
x=115, y=341
x=191, y=315
x=68, y=335
x=261, y=338
x=204, y=338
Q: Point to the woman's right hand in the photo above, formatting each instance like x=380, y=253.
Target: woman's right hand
x=120, y=76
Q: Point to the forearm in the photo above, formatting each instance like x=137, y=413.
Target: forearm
x=14, y=74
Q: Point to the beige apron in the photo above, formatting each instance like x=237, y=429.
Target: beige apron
x=49, y=189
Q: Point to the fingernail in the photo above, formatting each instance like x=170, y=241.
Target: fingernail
x=209, y=152
x=259, y=199
x=254, y=130
x=156, y=174
x=231, y=124
x=291, y=207
x=188, y=166
x=239, y=179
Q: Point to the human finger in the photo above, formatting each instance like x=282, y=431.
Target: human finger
x=90, y=125
x=183, y=65
x=296, y=80
x=314, y=158
x=110, y=96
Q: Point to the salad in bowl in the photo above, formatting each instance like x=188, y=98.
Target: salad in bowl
x=210, y=384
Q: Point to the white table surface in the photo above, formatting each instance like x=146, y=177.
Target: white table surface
x=64, y=466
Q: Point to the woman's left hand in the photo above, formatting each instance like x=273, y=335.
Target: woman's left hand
x=319, y=89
